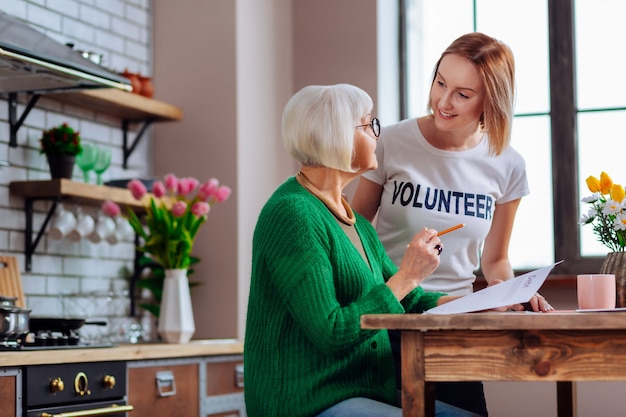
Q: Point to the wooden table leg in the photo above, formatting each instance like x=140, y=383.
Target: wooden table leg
x=566, y=399
x=414, y=399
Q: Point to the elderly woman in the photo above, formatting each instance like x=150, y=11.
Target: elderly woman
x=317, y=267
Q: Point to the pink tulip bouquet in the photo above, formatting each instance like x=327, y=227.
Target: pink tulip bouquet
x=177, y=209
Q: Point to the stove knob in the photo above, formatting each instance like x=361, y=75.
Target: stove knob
x=57, y=385
x=109, y=381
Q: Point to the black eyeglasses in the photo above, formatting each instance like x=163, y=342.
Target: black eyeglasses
x=375, y=125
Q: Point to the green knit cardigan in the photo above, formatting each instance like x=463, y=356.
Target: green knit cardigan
x=304, y=348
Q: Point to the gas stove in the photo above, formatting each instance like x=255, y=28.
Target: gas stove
x=43, y=340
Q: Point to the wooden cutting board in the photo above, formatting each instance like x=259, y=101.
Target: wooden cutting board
x=11, y=280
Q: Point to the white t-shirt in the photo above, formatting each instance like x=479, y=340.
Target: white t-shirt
x=426, y=186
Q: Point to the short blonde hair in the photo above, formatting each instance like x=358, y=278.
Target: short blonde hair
x=495, y=64
x=318, y=124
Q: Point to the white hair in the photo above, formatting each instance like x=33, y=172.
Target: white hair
x=319, y=121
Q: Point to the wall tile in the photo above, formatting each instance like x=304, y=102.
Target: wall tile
x=118, y=29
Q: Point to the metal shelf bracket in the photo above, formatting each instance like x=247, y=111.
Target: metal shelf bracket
x=14, y=122
x=29, y=244
x=128, y=150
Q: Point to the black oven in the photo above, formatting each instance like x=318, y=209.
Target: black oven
x=75, y=390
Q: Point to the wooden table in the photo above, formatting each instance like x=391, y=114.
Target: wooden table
x=519, y=346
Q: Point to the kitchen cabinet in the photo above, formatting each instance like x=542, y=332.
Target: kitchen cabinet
x=206, y=387
x=164, y=388
x=208, y=374
x=10, y=392
x=224, y=388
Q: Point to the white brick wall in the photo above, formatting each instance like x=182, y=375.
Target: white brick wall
x=121, y=30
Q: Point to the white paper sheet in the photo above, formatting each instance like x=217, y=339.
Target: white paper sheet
x=514, y=291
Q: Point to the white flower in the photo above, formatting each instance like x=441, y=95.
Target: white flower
x=612, y=207
x=586, y=218
x=620, y=221
x=592, y=198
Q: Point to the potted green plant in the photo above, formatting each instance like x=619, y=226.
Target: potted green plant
x=60, y=144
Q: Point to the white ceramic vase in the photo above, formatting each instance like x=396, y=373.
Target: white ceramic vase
x=176, y=324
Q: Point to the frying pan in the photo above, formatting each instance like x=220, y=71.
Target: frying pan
x=60, y=324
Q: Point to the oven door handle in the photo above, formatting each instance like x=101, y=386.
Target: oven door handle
x=114, y=409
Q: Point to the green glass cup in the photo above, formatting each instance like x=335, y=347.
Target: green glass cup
x=86, y=160
x=103, y=162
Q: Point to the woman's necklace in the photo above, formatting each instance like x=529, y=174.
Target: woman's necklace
x=346, y=217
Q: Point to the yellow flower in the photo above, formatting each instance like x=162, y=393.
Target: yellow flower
x=617, y=193
x=607, y=214
x=593, y=184
x=606, y=183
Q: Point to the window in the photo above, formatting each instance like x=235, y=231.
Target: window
x=564, y=139
x=601, y=97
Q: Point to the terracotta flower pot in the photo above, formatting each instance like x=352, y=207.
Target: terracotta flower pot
x=61, y=166
x=147, y=88
x=135, y=82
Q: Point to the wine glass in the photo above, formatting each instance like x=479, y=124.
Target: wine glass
x=86, y=160
x=102, y=163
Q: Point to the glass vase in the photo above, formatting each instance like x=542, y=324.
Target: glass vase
x=176, y=323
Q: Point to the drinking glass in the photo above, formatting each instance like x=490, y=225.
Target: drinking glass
x=102, y=163
x=86, y=160
x=596, y=291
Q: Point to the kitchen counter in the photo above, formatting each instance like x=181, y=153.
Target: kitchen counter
x=125, y=352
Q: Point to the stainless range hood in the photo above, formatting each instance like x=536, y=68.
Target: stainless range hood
x=30, y=61
x=33, y=63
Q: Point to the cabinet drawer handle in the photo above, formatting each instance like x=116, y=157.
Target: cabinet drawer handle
x=239, y=376
x=114, y=409
x=165, y=379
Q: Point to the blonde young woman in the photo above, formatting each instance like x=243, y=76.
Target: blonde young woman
x=454, y=166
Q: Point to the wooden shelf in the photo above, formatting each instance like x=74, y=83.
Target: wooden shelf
x=128, y=107
x=77, y=191
x=58, y=190
x=121, y=104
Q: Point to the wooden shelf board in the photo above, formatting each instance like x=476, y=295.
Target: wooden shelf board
x=126, y=106
x=89, y=193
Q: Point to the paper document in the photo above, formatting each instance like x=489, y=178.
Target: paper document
x=514, y=291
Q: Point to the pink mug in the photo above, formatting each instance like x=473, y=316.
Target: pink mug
x=596, y=291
